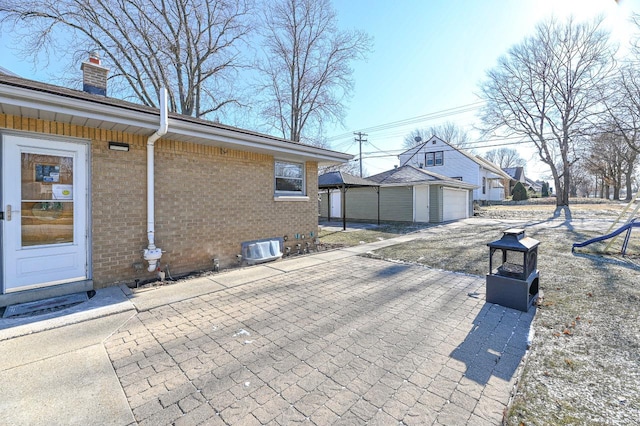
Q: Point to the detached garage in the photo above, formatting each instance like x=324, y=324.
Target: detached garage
x=404, y=194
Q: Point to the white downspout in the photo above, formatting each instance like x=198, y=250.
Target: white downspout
x=152, y=254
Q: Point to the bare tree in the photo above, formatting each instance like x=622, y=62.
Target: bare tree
x=417, y=137
x=581, y=181
x=188, y=46
x=623, y=106
x=547, y=90
x=623, y=118
x=352, y=167
x=505, y=158
x=306, y=70
x=610, y=157
x=448, y=132
x=600, y=168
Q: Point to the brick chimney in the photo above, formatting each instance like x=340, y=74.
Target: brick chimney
x=94, y=78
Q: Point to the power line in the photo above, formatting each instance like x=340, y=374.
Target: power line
x=520, y=141
x=412, y=120
x=471, y=145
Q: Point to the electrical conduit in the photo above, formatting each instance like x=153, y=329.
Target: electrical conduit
x=152, y=254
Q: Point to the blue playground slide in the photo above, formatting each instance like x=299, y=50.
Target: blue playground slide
x=626, y=227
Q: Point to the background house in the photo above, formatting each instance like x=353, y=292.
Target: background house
x=516, y=174
x=403, y=194
x=534, y=187
x=83, y=182
x=437, y=156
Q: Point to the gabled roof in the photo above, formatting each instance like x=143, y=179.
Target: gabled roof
x=338, y=179
x=31, y=99
x=5, y=71
x=488, y=165
x=475, y=158
x=410, y=175
x=536, y=186
x=516, y=173
x=418, y=147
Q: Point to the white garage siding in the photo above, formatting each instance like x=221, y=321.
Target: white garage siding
x=455, y=204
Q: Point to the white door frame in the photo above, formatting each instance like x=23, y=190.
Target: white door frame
x=36, y=266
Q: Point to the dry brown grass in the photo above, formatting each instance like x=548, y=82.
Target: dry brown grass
x=338, y=238
x=584, y=365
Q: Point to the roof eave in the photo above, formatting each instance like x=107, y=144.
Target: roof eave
x=147, y=122
x=210, y=135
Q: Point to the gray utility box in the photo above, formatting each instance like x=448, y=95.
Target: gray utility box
x=513, y=270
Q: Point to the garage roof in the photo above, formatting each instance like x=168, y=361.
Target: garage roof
x=410, y=175
x=339, y=179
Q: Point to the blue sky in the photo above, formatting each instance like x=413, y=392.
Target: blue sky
x=429, y=56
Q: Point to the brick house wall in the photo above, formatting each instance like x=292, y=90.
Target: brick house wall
x=208, y=200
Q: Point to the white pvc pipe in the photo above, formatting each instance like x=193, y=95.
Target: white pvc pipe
x=152, y=254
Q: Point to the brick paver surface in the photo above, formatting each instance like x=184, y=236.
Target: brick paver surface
x=350, y=342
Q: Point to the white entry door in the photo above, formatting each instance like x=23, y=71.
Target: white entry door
x=44, y=231
x=336, y=204
x=421, y=203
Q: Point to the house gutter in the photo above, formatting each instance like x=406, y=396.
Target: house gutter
x=152, y=254
x=140, y=119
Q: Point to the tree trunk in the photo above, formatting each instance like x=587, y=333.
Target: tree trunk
x=562, y=190
x=559, y=190
x=628, y=184
x=629, y=177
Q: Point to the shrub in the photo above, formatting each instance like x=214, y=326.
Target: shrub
x=520, y=192
x=545, y=189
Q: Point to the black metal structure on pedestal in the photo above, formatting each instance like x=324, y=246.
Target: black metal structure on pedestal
x=513, y=276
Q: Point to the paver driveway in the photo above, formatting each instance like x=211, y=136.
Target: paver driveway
x=351, y=341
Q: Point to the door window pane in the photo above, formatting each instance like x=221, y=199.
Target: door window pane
x=47, y=199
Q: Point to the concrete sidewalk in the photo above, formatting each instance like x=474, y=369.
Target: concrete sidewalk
x=63, y=376
x=330, y=338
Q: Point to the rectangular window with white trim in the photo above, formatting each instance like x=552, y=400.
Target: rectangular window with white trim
x=289, y=178
x=435, y=158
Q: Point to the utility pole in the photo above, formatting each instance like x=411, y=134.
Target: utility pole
x=360, y=140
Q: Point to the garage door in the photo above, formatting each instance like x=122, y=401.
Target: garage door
x=455, y=204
